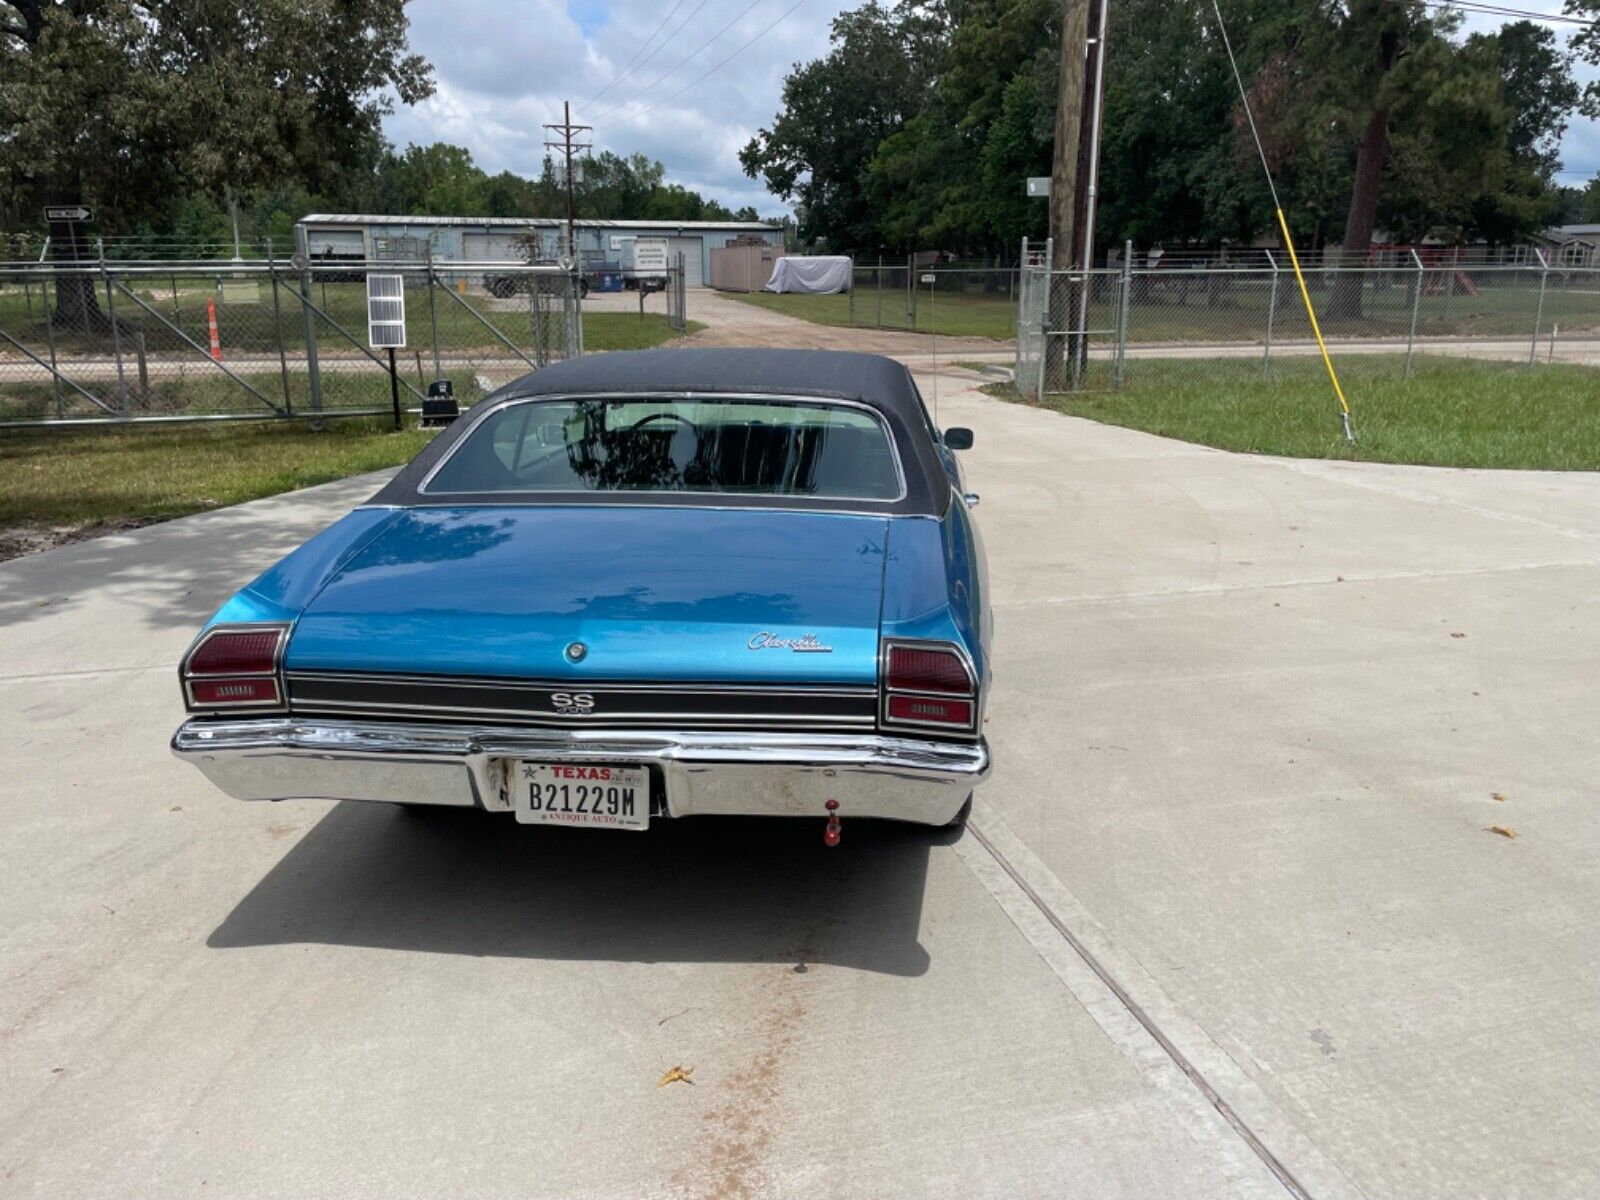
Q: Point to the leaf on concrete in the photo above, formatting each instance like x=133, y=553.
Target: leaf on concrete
x=1500, y=796
x=1502, y=831
x=676, y=1075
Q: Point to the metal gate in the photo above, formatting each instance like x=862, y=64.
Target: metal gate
x=269, y=338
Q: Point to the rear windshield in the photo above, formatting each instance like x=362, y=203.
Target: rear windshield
x=694, y=444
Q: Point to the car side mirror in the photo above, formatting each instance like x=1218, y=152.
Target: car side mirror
x=958, y=437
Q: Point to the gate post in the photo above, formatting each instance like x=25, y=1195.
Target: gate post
x=277, y=325
x=1450, y=282
x=1122, y=317
x=1272, y=316
x=50, y=337
x=1044, y=318
x=1538, y=316
x=1022, y=317
x=433, y=314
x=116, y=334
x=302, y=249
x=1416, y=303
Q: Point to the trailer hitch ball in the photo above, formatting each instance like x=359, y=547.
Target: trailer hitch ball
x=830, y=835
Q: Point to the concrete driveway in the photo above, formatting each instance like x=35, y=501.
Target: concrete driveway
x=1230, y=920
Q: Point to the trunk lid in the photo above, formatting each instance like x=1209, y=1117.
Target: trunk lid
x=653, y=594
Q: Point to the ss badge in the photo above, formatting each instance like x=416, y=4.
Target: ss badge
x=572, y=704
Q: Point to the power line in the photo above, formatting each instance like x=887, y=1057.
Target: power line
x=714, y=69
x=698, y=50
x=662, y=45
x=617, y=78
x=1496, y=10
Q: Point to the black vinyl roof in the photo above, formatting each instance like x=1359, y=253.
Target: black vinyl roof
x=870, y=379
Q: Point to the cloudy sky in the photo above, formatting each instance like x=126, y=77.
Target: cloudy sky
x=695, y=91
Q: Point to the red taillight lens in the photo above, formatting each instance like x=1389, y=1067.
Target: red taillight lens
x=235, y=691
x=924, y=709
x=928, y=684
x=914, y=669
x=253, y=651
x=235, y=666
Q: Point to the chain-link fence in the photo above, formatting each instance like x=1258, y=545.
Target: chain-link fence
x=1098, y=329
x=946, y=299
x=121, y=341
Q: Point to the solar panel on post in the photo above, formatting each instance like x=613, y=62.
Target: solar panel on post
x=386, y=325
x=386, y=312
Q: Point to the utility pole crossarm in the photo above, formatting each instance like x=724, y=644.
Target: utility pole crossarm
x=564, y=144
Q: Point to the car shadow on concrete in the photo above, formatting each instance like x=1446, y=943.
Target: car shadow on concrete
x=702, y=889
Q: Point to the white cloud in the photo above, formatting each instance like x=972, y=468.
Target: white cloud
x=504, y=67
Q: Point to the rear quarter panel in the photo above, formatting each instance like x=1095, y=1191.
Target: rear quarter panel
x=282, y=592
x=936, y=583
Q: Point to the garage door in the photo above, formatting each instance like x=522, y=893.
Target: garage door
x=492, y=247
x=689, y=247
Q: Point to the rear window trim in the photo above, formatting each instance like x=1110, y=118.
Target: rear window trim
x=426, y=490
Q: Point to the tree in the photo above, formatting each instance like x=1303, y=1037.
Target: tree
x=436, y=180
x=102, y=99
x=1391, y=81
x=1541, y=94
x=137, y=106
x=839, y=109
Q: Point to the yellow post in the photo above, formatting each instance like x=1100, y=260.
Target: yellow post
x=1294, y=260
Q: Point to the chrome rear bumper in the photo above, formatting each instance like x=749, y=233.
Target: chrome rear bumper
x=769, y=774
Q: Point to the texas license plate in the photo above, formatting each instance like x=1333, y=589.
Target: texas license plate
x=574, y=794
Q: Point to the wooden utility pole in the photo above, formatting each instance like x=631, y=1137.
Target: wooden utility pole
x=1064, y=173
x=568, y=148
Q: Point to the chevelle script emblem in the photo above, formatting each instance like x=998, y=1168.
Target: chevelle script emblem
x=806, y=643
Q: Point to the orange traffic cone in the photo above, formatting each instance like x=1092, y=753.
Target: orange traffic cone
x=211, y=320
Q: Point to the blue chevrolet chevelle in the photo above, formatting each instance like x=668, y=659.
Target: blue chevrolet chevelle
x=628, y=588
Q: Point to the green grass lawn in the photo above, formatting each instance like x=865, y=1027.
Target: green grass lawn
x=950, y=314
x=50, y=478
x=1452, y=412
x=630, y=331
x=253, y=326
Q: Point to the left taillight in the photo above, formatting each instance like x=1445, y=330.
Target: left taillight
x=930, y=685
x=235, y=666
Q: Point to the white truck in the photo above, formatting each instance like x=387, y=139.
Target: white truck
x=644, y=263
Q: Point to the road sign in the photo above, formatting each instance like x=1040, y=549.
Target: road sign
x=386, y=312
x=67, y=212
x=1039, y=186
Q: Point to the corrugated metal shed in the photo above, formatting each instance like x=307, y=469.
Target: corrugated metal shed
x=499, y=239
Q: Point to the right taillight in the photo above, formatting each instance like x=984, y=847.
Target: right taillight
x=235, y=667
x=928, y=684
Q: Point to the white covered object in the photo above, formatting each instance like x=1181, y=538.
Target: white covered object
x=815, y=274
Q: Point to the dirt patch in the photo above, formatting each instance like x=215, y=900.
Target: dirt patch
x=30, y=539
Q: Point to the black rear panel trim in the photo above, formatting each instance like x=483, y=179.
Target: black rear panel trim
x=576, y=703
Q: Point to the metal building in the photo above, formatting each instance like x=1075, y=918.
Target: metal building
x=500, y=239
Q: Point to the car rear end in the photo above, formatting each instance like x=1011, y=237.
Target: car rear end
x=725, y=648
x=614, y=755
